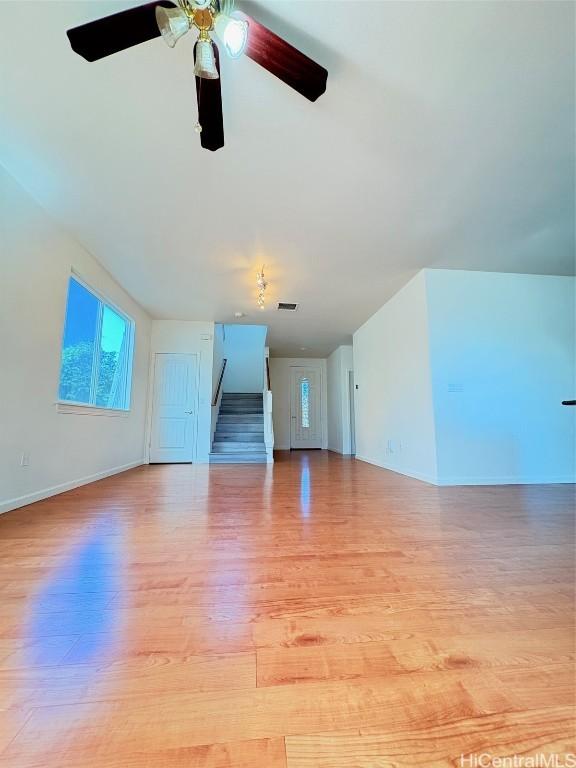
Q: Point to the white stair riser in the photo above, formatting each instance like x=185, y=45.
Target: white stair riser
x=238, y=448
x=232, y=429
x=240, y=411
x=224, y=459
x=221, y=429
x=231, y=418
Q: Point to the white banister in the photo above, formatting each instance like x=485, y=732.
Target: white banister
x=268, y=426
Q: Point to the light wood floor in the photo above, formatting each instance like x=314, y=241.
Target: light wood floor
x=322, y=613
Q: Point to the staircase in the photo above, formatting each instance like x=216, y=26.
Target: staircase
x=239, y=435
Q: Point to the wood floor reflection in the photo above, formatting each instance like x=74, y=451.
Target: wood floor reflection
x=320, y=613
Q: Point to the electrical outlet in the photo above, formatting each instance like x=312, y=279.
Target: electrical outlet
x=25, y=459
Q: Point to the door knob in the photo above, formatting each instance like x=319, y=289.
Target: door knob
x=189, y=412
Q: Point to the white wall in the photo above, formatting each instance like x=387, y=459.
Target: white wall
x=280, y=380
x=502, y=350
x=394, y=407
x=189, y=337
x=338, y=365
x=65, y=449
x=461, y=377
x=244, y=350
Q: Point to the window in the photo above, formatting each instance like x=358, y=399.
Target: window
x=305, y=403
x=96, y=366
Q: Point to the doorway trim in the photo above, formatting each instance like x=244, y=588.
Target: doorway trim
x=351, y=414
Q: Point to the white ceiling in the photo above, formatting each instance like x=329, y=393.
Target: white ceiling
x=445, y=138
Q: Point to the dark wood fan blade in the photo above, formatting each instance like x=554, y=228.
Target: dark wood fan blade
x=283, y=60
x=111, y=34
x=209, y=97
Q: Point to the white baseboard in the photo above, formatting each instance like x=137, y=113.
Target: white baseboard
x=509, y=480
x=501, y=480
x=45, y=493
x=407, y=473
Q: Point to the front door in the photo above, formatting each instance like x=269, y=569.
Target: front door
x=174, y=408
x=305, y=411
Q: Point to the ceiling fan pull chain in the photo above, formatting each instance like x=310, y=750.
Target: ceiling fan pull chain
x=198, y=126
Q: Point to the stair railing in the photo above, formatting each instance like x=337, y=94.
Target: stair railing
x=219, y=387
x=216, y=402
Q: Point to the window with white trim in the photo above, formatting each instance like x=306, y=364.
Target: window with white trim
x=96, y=363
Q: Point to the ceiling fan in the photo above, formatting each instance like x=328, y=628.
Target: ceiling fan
x=238, y=33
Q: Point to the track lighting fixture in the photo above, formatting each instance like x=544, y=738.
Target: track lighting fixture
x=262, y=284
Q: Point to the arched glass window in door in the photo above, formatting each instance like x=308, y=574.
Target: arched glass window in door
x=305, y=403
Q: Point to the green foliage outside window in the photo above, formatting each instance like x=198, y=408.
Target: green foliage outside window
x=76, y=373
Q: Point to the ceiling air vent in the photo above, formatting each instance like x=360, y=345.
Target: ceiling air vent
x=287, y=306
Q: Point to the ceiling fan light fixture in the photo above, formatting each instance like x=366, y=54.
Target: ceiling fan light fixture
x=233, y=33
x=239, y=33
x=172, y=23
x=205, y=61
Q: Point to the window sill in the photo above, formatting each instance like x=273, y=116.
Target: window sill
x=90, y=410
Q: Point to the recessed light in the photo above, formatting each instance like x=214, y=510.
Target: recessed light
x=303, y=349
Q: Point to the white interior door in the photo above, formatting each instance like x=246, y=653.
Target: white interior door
x=174, y=408
x=306, y=410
